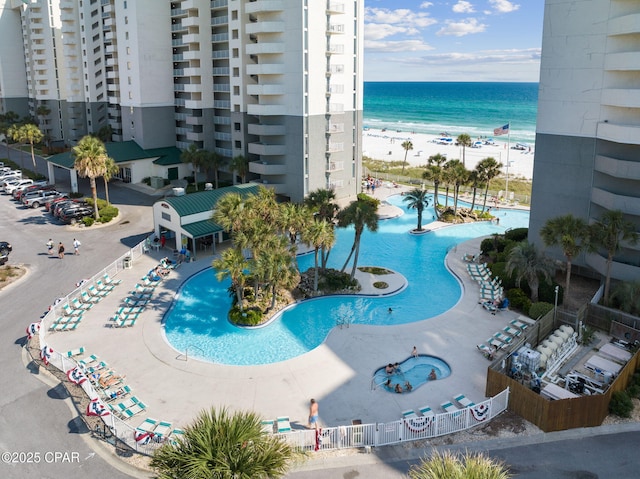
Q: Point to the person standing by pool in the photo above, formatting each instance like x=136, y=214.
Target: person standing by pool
x=414, y=352
x=313, y=414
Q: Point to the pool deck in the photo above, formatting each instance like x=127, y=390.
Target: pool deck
x=338, y=373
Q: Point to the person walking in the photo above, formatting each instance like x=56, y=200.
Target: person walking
x=50, y=247
x=313, y=414
x=60, y=250
x=76, y=247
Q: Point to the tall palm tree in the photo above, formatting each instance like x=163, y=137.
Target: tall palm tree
x=435, y=173
x=196, y=157
x=321, y=203
x=407, y=145
x=360, y=213
x=464, y=140
x=321, y=235
x=277, y=267
x=488, y=169
x=90, y=159
x=240, y=164
x=30, y=134
x=609, y=232
x=230, y=212
x=571, y=234
x=13, y=135
x=458, y=175
x=222, y=445
x=232, y=264
x=475, y=182
x=110, y=169
x=528, y=264
x=215, y=161
x=447, y=465
x=418, y=200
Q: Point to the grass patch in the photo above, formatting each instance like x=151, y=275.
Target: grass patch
x=380, y=285
x=374, y=270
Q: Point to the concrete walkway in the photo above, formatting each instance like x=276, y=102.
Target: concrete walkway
x=338, y=373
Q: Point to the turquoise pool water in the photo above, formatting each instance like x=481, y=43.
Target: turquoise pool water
x=198, y=318
x=415, y=370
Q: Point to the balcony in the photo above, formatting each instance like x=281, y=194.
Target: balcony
x=335, y=128
x=190, y=22
x=618, y=133
x=221, y=20
x=219, y=38
x=221, y=87
x=335, y=147
x=622, y=97
x=220, y=71
x=195, y=136
x=221, y=120
x=263, y=149
x=335, y=166
x=264, y=6
x=266, y=110
x=222, y=136
x=178, y=27
x=335, y=29
x=192, y=87
x=190, y=38
x=264, y=48
x=264, y=27
x=279, y=188
x=628, y=170
x=219, y=4
x=266, y=168
x=335, y=8
x=629, y=205
x=266, y=130
x=265, y=89
x=191, y=54
x=194, y=104
x=265, y=69
x=624, y=25
x=194, y=120
x=226, y=104
x=619, y=271
x=625, y=61
x=335, y=49
x=219, y=54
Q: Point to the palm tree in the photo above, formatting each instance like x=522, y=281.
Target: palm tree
x=418, y=200
x=13, y=134
x=240, y=165
x=277, y=267
x=435, y=173
x=229, y=212
x=90, y=159
x=609, y=232
x=458, y=175
x=321, y=203
x=488, y=169
x=31, y=134
x=447, y=465
x=360, y=213
x=464, y=140
x=225, y=446
x=196, y=157
x=407, y=145
x=571, y=234
x=475, y=182
x=321, y=235
x=105, y=133
x=528, y=264
x=110, y=169
x=214, y=161
x=232, y=264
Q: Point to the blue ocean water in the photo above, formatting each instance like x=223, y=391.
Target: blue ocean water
x=452, y=107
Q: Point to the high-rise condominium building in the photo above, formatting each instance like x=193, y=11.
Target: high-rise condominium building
x=587, y=157
x=277, y=82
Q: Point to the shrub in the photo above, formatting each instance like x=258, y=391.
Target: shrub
x=107, y=213
x=517, y=234
x=334, y=280
x=498, y=270
x=88, y=220
x=620, y=404
x=547, y=292
x=248, y=317
x=588, y=334
x=539, y=309
x=519, y=300
x=76, y=194
x=634, y=390
x=147, y=181
x=487, y=246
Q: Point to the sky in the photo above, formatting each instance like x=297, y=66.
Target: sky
x=456, y=40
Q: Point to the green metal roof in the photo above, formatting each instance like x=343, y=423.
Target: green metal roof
x=125, y=151
x=202, y=228
x=199, y=202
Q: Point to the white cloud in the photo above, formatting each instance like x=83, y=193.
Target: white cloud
x=529, y=55
x=463, y=7
x=372, y=46
x=378, y=31
x=504, y=6
x=426, y=5
x=461, y=28
x=402, y=16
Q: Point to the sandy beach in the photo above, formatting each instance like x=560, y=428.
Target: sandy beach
x=387, y=146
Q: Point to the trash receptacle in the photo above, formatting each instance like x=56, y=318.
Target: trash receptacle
x=126, y=262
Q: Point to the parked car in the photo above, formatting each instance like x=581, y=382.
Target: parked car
x=50, y=203
x=5, y=249
x=65, y=204
x=68, y=208
x=73, y=215
x=11, y=187
x=37, y=185
x=35, y=199
x=10, y=176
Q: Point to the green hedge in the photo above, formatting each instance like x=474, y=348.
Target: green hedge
x=248, y=317
x=539, y=309
x=519, y=300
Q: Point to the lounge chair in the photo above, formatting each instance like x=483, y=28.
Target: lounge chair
x=408, y=414
x=486, y=350
x=515, y=332
x=519, y=324
x=148, y=425
x=267, y=426
x=111, y=282
x=490, y=306
x=176, y=435
x=133, y=303
x=426, y=411
x=89, y=360
x=464, y=401
x=94, y=292
x=130, y=310
x=65, y=326
x=503, y=337
x=136, y=296
x=94, y=368
x=139, y=289
x=68, y=311
x=124, y=316
x=162, y=430
x=133, y=410
x=127, y=403
x=116, y=392
x=125, y=323
x=84, y=296
x=76, y=304
x=448, y=407
x=75, y=352
x=283, y=424
x=470, y=258
x=151, y=280
x=100, y=286
x=496, y=343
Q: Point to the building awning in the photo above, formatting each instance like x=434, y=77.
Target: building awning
x=202, y=228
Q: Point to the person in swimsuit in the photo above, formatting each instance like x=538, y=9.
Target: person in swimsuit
x=313, y=414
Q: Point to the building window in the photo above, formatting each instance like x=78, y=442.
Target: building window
x=236, y=72
x=126, y=35
x=236, y=53
x=234, y=34
x=126, y=20
x=236, y=126
x=166, y=217
x=234, y=14
x=236, y=90
x=238, y=144
x=128, y=50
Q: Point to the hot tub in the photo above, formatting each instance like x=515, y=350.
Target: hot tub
x=415, y=370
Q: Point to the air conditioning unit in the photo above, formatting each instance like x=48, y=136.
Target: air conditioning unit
x=178, y=192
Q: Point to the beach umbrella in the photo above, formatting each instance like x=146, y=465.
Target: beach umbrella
x=76, y=375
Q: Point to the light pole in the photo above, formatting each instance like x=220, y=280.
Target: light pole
x=555, y=307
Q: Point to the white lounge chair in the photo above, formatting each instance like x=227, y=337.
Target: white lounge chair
x=426, y=411
x=464, y=401
x=267, y=426
x=283, y=424
x=449, y=407
x=409, y=413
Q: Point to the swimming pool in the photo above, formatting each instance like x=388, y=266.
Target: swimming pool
x=198, y=321
x=414, y=370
